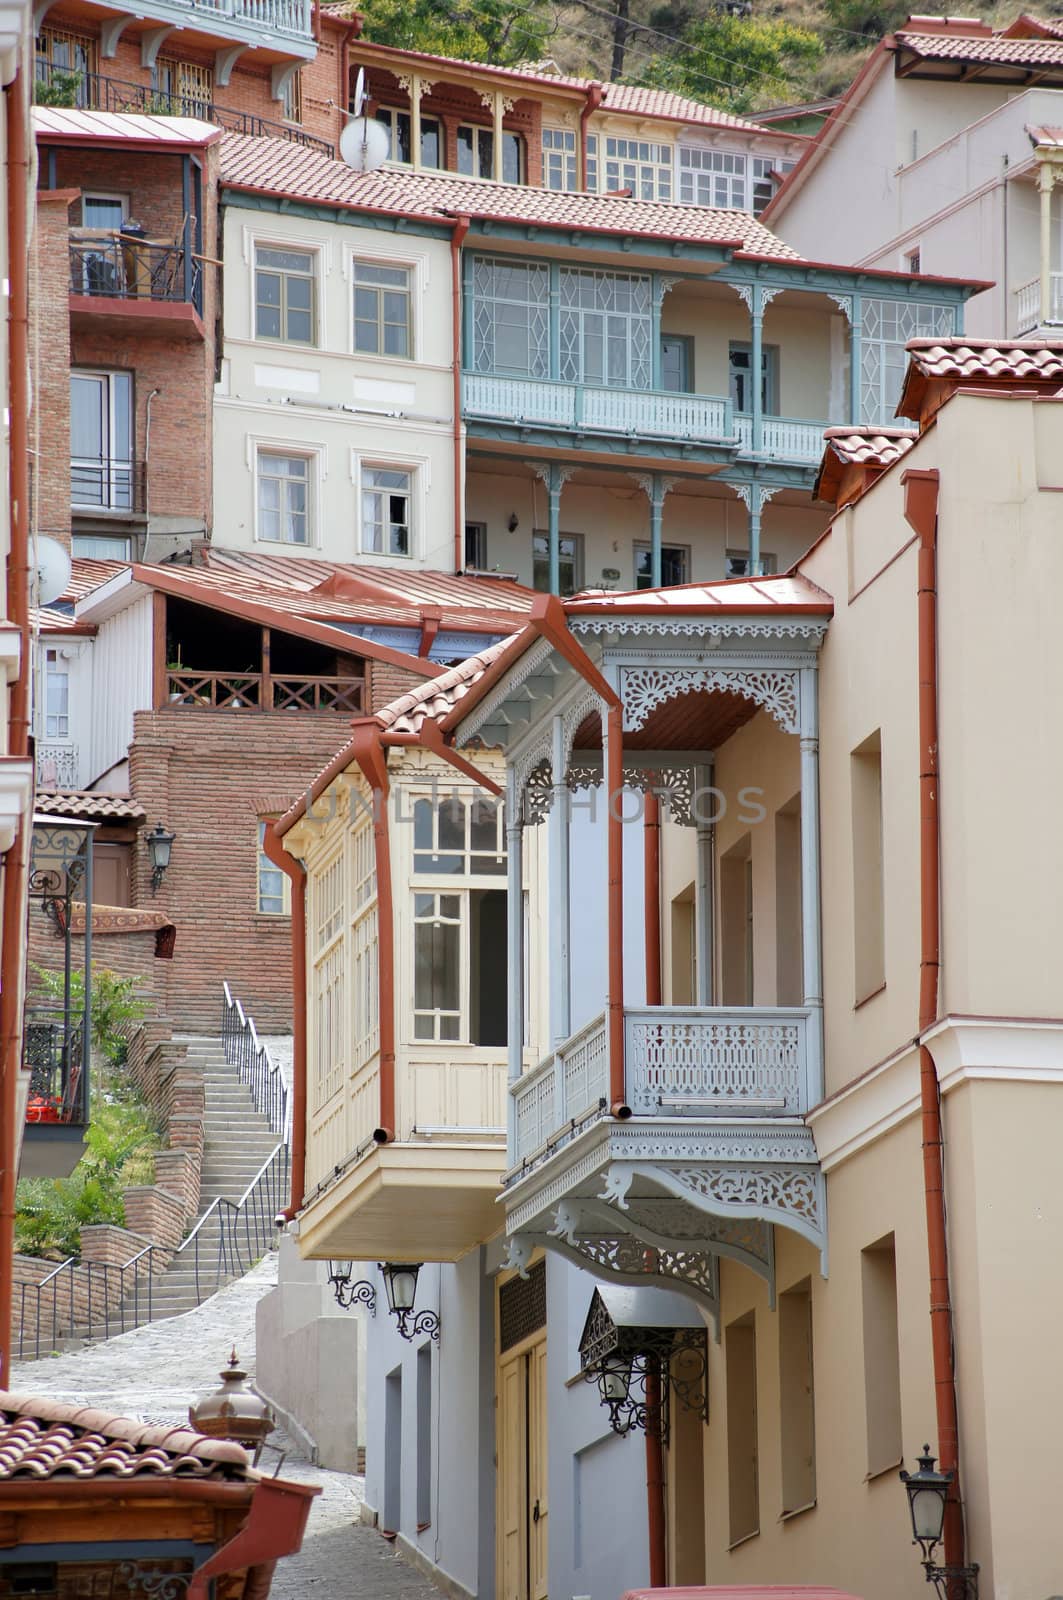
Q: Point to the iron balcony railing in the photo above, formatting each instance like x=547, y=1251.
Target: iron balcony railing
x=254, y=691
x=53, y=1048
x=131, y=268
x=96, y=91
x=101, y=483
x=57, y=766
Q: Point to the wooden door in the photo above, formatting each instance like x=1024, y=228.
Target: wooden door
x=538, y=1570
x=522, y=1483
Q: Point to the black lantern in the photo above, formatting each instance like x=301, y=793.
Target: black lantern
x=928, y=1493
x=159, y=843
x=400, y=1286
x=639, y=1345
x=348, y=1294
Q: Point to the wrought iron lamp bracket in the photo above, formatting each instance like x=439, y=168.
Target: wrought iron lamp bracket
x=416, y=1325
x=953, y=1583
x=362, y=1293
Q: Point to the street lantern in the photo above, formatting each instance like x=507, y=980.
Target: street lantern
x=928, y=1493
x=160, y=844
x=348, y=1294
x=234, y=1412
x=400, y=1286
x=638, y=1345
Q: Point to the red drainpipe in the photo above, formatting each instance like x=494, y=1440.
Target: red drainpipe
x=457, y=239
x=274, y=1528
x=595, y=91
x=920, y=512
x=274, y=849
x=18, y=576
x=655, y=1506
x=368, y=752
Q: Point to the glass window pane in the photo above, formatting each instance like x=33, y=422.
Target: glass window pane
x=268, y=322
x=465, y=151
x=285, y=260
x=422, y=829
x=452, y=825
x=299, y=326
x=483, y=826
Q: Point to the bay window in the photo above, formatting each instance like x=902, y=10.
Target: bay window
x=713, y=178
x=887, y=327
x=459, y=921
x=511, y=318
x=638, y=165
x=606, y=328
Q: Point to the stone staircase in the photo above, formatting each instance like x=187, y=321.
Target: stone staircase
x=237, y=1142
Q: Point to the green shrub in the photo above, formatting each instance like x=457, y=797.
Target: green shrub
x=115, y=1005
x=61, y=89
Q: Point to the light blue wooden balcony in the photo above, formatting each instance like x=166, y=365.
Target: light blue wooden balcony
x=280, y=25
x=782, y=438
x=576, y=407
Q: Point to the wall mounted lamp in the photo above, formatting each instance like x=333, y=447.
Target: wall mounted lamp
x=160, y=844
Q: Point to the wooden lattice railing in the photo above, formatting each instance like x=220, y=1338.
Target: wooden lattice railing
x=255, y=691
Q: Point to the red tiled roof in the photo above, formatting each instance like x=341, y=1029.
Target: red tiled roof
x=132, y=130
x=1035, y=360
x=434, y=700
x=86, y=574
x=45, y=1438
x=786, y=592
x=869, y=447
x=993, y=51
x=278, y=167
x=1027, y=27
x=88, y=805
x=631, y=100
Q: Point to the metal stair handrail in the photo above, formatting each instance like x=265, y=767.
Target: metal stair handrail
x=247, y=1228
x=263, y=1076
x=83, y=1283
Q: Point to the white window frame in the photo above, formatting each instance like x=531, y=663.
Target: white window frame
x=420, y=485
x=419, y=269
x=312, y=247
x=102, y=194
x=315, y=455
x=564, y=154
x=357, y=259
x=393, y=113
x=56, y=666
x=631, y=170
x=423, y=881
x=115, y=465
x=703, y=168
x=265, y=865
x=645, y=547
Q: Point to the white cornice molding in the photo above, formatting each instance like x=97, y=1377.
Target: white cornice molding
x=866, y=1109
x=996, y=1049
x=1015, y=1050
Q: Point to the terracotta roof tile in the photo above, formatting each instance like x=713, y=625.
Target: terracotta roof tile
x=45, y=1438
x=437, y=698
x=276, y=166
x=88, y=805
x=1030, y=359
x=993, y=51
x=1044, y=135
x=869, y=447
x=631, y=99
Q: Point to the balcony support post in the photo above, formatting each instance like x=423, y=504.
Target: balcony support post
x=1046, y=179
x=560, y=919
x=614, y=799
x=856, y=324
x=266, y=693
x=497, y=109
x=704, y=910
x=756, y=375
x=812, y=961
x=515, y=951
x=415, y=122
x=658, y=291
x=186, y=231
x=555, y=477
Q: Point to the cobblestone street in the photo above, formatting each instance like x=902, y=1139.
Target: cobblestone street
x=155, y=1372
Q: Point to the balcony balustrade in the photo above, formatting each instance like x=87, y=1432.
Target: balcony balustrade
x=1028, y=303
x=783, y=438
x=711, y=1062
x=130, y=268
x=654, y=413
x=57, y=766
x=96, y=91
x=100, y=483
x=255, y=691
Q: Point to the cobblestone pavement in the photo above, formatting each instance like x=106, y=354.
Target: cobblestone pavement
x=155, y=1372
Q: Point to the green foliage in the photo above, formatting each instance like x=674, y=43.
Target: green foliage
x=60, y=89
x=115, y=1004
x=737, y=63
x=121, y=1141
x=498, y=31
x=872, y=18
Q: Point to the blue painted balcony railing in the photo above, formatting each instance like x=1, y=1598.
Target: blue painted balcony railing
x=654, y=412
x=713, y=1062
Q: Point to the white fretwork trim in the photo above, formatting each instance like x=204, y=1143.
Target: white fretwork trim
x=844, y=302
x=532, y=659
x=577, y=713
x=810, y=628
x=776, y=689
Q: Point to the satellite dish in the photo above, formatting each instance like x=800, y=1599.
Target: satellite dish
x=365, y=144
x=53, y=571
x=359, y=93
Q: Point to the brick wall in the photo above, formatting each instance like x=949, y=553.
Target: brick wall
x=50, y=335
x=388, y=682
x=201, y=773
x=249, y=86
x=176, y=374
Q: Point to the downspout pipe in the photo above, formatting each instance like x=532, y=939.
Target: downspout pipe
x=368, y=752
x=920, y=512
x=595, y=93
x=16, y=862
x=457, y=239
x=274, y=1528
x=296, y=873
x=655, y=1501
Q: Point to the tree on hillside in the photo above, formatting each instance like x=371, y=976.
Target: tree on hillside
x=500, y=31
x=737, y=63
x=871, y=18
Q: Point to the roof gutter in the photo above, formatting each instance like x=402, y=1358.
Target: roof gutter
x=459, y=229
x=296, y=873
x=274, y=1528
x=595, y=94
